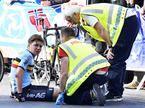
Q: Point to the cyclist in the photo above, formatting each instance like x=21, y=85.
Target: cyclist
x=20, y=75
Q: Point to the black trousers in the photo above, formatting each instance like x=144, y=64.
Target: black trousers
x=121, y=50
x=82, y=95
x=38, y=93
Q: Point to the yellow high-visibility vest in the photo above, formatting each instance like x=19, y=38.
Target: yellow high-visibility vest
x=110, y=16
x=83, y=61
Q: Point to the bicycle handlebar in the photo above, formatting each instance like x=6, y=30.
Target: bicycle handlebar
x=55, y=28
x=49, y=35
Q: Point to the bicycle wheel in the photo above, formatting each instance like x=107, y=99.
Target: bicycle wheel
x=1, y=66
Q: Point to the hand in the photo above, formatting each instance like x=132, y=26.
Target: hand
x=60, y=99
x=20, y=97
x=142, y=11
x=109, y=54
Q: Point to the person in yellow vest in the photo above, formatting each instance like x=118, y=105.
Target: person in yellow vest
x=118, y=27
x=82, y=69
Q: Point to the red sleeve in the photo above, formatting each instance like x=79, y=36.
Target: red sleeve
x=62, y=53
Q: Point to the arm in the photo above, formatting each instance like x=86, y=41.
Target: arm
x=103, y=33
x=19, y=79
x=63, y=73
x=94, y=22
x=22, y=66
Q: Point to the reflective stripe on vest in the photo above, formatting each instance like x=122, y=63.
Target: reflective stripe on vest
x=115, y=28
x=83, y=61
x=84, y=72
x=116, y=22
x=100, y=11
x=70, y=51
x=110, y=16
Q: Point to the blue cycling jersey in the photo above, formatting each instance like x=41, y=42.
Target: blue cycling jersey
x=25, y=61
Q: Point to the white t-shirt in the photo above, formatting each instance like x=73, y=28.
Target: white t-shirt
x=91, y=20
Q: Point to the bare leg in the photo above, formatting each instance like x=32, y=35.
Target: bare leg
x=55, y=93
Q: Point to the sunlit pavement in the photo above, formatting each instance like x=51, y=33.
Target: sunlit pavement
x=132, y=99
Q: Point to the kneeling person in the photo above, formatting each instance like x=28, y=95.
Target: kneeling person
x=21, y=71
x=82, y=69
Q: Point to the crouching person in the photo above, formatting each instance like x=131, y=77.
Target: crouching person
x=83, y=70
x=20, y=75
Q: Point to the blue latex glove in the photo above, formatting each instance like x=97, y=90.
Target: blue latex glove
x=60, y=99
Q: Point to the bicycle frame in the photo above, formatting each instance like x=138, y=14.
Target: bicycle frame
x=48, y=69
x=57, y=42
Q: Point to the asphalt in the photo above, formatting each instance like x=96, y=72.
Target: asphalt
x=132, y=99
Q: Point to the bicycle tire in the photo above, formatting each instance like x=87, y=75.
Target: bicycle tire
x=1, y=67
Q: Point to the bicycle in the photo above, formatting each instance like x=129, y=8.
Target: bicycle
x=47, y=69
x=1, y=67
